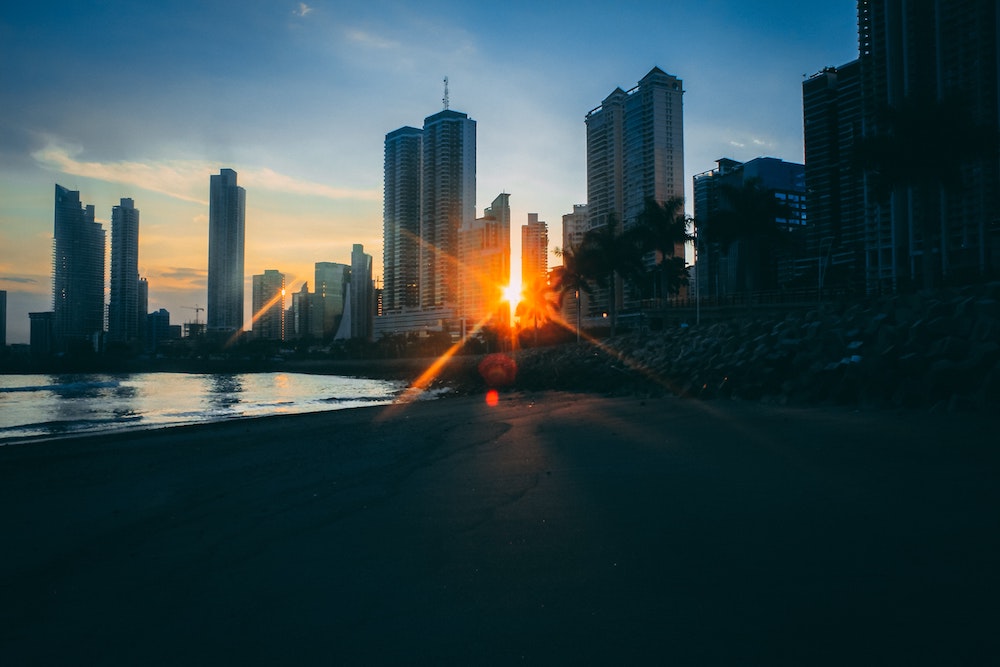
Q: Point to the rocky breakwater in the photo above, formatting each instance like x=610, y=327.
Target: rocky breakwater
x=931, y=350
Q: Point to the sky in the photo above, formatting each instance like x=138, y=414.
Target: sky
x=147, y=100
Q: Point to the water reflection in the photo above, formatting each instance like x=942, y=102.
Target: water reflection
x=224, y=392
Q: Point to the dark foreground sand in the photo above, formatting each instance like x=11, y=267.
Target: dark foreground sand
x=551, y=529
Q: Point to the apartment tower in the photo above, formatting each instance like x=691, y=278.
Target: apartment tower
x=125, y=305
x=78, y=274
x=226, y=213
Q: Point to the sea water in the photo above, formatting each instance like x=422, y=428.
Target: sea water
x=55, y=405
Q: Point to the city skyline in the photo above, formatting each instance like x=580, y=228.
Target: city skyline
x=313, y=168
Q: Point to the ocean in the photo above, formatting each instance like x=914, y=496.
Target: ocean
x=57, y=405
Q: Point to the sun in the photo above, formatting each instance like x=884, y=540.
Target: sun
x=512, y=295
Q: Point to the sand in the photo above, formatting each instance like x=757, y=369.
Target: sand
x=553, y=528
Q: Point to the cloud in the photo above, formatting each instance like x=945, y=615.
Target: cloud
x=18, y=279
x=182, y=179
x=368, y=39
x=302, y=9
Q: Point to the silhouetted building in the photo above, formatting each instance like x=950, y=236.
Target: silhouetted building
x=3, y=319
x=401, y=219
x=268, y=301
x=574, y=228
x=744, y=266
x=484, y=252
x=534, y=250
x=124, y=306
x=919, y=57
x=78, y=274
x=448, y=199
x=360, y=304
x=328, y=300
x=635, y=152
x=297, y=322
x=159, y=329
x=42, y=333
x=226, y=229
x=143, y=306
x=835, y=237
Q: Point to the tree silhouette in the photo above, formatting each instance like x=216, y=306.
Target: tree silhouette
x=609, y=255
x=571, y=276
x=538, y=305
x=663, y=228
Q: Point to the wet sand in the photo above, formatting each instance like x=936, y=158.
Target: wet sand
x=553, y=528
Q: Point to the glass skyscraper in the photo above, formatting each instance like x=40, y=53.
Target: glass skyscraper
x=125, y=304
x=227, y=207
x=78, y=273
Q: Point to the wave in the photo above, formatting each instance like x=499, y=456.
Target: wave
x=66, y=386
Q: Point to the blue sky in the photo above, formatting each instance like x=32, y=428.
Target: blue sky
x=144, y=100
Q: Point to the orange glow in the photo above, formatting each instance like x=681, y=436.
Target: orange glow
x=512, y=294
x=492, y=397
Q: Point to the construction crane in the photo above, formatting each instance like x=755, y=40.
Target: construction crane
x=196, y=309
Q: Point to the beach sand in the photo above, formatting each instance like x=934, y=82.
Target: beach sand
x=552, y=528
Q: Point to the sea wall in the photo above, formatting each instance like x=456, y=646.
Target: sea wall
x=931, y=350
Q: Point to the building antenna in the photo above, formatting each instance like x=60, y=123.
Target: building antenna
x=444, y=100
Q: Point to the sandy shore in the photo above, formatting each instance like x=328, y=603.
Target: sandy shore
x=553, y=528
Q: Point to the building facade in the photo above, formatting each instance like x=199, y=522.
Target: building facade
x=484, y=254
x=447, y=200
x=78, y=274
x=930, y=73
x=124, y=305
x=534, y=251
x=401, y=219
x=328, y=301
x=226, y=232
x=746, y=266
x=635, y=152
x=268, y=301
x=359, y=305
x=831, y=121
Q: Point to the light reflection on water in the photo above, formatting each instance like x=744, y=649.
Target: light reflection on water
x=39, y=405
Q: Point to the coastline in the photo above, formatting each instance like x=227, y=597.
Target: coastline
x=553, y=527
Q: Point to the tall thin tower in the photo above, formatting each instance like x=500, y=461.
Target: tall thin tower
x=401, y=219
x=124, y=305
x=227, y=206
x=78, y=272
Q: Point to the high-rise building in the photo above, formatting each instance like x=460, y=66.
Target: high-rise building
x=143, y=306
x=331, y=285
x=743, y=266
x=835, y=235
x=534, y=251
x=3, y=320
x=401, y=219
x=297, y=318
x=484, y=252
x=268, y=301
x=922, y=58
x=574, y=228
x=359, y=304
x=124, y=305
x=226, y=213
x=78, y=274
x=635, y=152
x=447, y=200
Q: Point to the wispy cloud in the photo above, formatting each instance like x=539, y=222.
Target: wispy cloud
x=302, y=9
x=365, y=38
x=182, y=179
x=18, y=279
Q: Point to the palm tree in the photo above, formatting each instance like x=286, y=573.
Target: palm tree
x=571, y=277
x=609, y=256
x=749, y=217
x=538, y=304
x=663, y=228
x=919, y=151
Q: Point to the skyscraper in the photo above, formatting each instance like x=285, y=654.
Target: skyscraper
x=448, y=199
x=635, y=152
x=124, y=305
x=484, y=253
x=268, y=299
x=327, y=309
x=227, y=206
x=362, y=293
x=401, y=219
x=3, y=320
x=936, y=63
x=534, y=251
x=78, y=273
x=835, y=236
